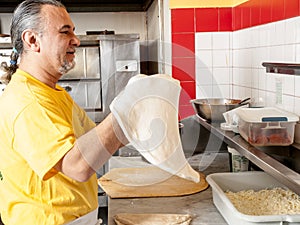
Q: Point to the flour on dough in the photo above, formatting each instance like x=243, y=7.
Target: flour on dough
x=147, y=112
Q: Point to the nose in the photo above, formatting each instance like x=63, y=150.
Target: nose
x=75, y=41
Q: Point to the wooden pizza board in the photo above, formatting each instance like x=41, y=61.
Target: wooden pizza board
x=149, y=182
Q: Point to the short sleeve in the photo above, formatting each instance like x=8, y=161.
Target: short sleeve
x=42, y=138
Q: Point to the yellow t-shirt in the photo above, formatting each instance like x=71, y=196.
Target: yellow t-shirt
x=38, y=125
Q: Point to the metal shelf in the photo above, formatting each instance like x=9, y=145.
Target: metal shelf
x=259, y=157
x=282, y=68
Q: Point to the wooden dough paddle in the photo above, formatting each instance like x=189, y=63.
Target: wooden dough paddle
x=150, y=219
x=147, y=182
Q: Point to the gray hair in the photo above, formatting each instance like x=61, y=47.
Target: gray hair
x=27, y=15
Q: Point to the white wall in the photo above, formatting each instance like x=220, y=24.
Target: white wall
x=121, y=22
x=229, y=64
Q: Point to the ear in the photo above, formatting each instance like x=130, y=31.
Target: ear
x=31, y=40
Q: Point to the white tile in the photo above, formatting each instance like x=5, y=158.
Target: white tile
x=297, y=106
x=255, y=39
x=265, y=35
x=297, y=29
x=235, y=76
x=221, y=75
x=290, y=53
x=279, y=33
x=236, y=57
x=270, y=99
x=288, y=85
x=297, y=87
x=204, y=76
x=236, y=39
x=221, y=91
x=262, y=98
x=241, y=92
x=245, y=77
x=259, y=56
x=297, y=52
x=277, y=53
x=287, y=103
x=255, y=78
x=204, y=58
x=245, y=58
x=221, y=40
x=271, y=82
x=203, y=91
x=245, y=38
x=221, y=58
x=203, y=40
x=291, y=30
x=262, y=79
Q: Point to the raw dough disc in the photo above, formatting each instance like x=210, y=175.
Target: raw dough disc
x=147, y=112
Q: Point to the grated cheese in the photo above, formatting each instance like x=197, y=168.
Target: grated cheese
x=276, y=201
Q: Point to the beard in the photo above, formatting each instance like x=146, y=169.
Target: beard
x=66, y=66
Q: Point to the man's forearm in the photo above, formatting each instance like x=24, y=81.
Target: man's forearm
x=92, y=150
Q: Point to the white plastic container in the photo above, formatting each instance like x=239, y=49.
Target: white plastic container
x=267, y=126
x=256, y=180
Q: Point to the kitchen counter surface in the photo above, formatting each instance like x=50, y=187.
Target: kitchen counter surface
x=199, y=205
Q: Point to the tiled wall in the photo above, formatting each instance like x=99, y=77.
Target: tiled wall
x=217, y=52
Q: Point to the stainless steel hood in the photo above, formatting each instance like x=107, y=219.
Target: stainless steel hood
x=7, y=6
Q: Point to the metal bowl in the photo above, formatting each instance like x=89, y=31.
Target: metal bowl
x=212, y=109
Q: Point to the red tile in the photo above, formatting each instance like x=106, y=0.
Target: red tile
x=266, y=11
x=185, y=111
x=246, y=16
x=255, y=13
x=291, y=8
x=183, y=69
x=206, y=19
x=237, y=18
x=188, y=92
x=277, y=10
x=183, y=45
x=225, y=19
x=182, y=20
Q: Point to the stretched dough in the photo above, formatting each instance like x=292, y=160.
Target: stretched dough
x=150, y=219
x=147, y=112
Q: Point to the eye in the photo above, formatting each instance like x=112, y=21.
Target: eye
x=64, y=32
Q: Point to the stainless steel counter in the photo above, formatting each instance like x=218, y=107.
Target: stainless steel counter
x=280, y=162
x=199, y=205
x=205, y=147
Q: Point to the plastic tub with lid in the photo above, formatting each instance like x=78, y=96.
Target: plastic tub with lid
x=268, y=126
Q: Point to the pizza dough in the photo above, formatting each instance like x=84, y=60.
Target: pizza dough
x=147, y=112
x=150, y=219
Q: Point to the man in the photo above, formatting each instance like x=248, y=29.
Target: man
x=49, y=148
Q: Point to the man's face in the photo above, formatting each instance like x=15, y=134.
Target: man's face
x=58, y=41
